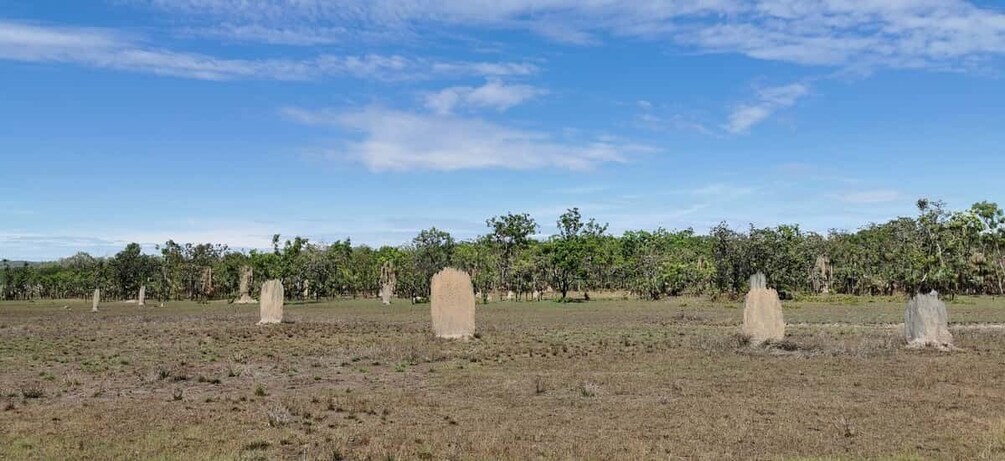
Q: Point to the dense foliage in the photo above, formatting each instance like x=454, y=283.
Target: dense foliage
x=953, y=252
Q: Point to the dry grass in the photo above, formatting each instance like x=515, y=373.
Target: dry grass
x=608, y=379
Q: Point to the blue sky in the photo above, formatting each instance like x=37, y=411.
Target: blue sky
x=230, y=120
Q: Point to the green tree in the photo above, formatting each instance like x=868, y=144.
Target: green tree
x=434, y=250
x=573, y=249
x=510, y=235
x=131, y=269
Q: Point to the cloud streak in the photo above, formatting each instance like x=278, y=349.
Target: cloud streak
x=863, y=34
x=769, y=100
x=494, y=94
x=107, y=49
x=392, y=140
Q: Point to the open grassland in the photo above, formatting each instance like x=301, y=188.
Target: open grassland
x=607, y=379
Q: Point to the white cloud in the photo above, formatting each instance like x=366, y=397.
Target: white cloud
x=107, y=49
x=768, y=101
x=494, y=94
x=491, y=69
x=403, y=141
x=862, y=33
x=293, y=35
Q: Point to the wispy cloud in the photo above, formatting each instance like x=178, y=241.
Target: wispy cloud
x=861, y=34
x=34, y=246
x=650, y=118
x=386, y=139
x=768, y=101
x=870, y=196
x=297, y=35
x=494, y=94
x=102, y=48
x=722, y=191
x=867, y=33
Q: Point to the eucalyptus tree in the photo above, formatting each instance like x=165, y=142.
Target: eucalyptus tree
x=992, y=240
x=646, y=262
x=573, y=249
x=935, y=239
x=479, y=259
x=228, y=273
x=131, y=269
x=729, y=258
x=510, y=235
x=434, y=250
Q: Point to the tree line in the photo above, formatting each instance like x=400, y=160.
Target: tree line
x=957, y=252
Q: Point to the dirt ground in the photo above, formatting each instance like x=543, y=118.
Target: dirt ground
x=611, y=379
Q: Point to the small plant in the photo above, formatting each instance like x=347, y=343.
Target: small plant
x=539, y=386
x=203, y=379
x=785, y=345
x=845, y=427
x=589, y=390
x=32, y=392
x=257, y=445
x=260, y=391
x=278, y=416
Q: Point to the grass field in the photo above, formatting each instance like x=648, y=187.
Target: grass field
x=599, y=380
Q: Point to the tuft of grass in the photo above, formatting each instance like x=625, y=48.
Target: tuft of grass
x=32, y=391
x=257, y=445
x=845, y=427
x=994, y=447
x=588, y=389
x=203, y=379
x=278, y=416
x=540, y=387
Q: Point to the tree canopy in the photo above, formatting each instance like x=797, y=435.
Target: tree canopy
x=950, y=251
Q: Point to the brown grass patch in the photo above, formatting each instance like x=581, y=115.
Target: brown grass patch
x=597, y=380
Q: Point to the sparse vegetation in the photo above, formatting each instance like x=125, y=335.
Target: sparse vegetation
x=32, y=392
x=588, y=389
x=604, y=379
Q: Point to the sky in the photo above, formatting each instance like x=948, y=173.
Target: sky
x=228, y=121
